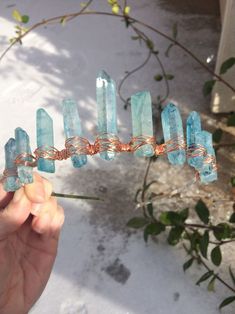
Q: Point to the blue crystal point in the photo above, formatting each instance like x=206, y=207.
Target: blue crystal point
x=25, y=173
x=195, y=157
x=45, y=139
x=173, y=134
x=11, y=183
x=208, y=171
x=142, y=123
x=106, y=108
x=72, y=127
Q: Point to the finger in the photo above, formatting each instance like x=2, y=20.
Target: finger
x=42, y=222
x=15, y=213
x=38, y=192
x=57, y=222
x=5, y=197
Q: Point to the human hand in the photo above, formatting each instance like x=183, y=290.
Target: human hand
x=30, y=223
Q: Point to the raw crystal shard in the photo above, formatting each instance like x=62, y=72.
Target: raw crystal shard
x=208, y=171
x=72, y=127
x=142, y=123
x=11, y=182
x=173, y=134
x=45, y=139
x=106, y=107
x=25, y=173
x=194, y=147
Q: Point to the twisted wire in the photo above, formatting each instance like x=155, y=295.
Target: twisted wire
x=196, y=150
x=176, y=143
x=111, y=143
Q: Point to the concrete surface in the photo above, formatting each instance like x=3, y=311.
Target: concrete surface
x=102, y=267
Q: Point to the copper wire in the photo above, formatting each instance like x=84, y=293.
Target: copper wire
x=26, y=159
x=139, y=141
x=107, y=142
x=176, y=143
x=196, y=150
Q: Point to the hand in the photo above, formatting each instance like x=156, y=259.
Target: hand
x=30, y=223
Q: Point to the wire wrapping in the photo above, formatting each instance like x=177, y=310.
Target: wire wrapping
x=78, y=145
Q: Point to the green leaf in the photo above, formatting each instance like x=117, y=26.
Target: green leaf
x=222, y=231
x=233, y=181
x=150, y=209
x=25, y=19
x=226, y=65
x=227, y=302
x=175, y=30
x=171, y=218
x=168, y=50
x=204, y=277
x=155, y=228
x=137, y=222
x=63, y=20
x=231, y=120
x=150, y=44
x=169, y=77
x=211, y=285
x=232, y=218
x=184, y=213
x=207, y=87
x=217, y=135
x=175, y=235
x=232, y=275
x=158, y=77
x=146, y=236
x=16, y=15
x=135, y=37
x=188, y=264
x=202, y=211
x=203, y=243
x=216, y=256
x=164, y=218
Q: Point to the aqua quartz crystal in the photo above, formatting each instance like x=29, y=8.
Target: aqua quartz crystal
x=106, y=108
x=208, y=172
x=193, y=127
x=173, y=132
x=25, y=173
x=45, y=139
x=142, y=123
x=72, y=127
x=11, y=182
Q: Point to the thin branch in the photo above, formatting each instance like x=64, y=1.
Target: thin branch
x=216, y=275
x=129, y=74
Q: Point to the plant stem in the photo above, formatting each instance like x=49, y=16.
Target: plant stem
x=129, y=74
x=144, y=185
x=216, y=275
x=83, y=197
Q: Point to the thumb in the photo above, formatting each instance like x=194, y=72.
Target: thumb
x=14, y=214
